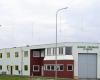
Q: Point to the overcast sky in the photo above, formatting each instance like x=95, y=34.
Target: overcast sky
x=31, y=22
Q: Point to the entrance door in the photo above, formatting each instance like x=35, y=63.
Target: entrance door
x=87, y=65
x=11, y=70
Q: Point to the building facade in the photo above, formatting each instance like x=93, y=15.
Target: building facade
x=74, y=60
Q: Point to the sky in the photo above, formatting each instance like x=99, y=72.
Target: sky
x=33, y=22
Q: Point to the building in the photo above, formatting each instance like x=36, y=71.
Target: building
x=74, y=60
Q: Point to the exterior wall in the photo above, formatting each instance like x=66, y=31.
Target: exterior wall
x=77, y=50
x=35, y=61
x=61, y=74
x=21, y=60
x=12, y=61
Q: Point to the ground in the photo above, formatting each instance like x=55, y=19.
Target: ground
x=3, y=77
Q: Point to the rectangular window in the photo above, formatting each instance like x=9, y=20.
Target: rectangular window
x=60, y=50
x=68, y=50
x=0, y=67
x=16, y=67
x=60, y=67
x=70, y=67
x=36, y=68
x=49, y=67
x=48, y=51
x=8, y=54
x=25, y=53
x=36, y=53
x=54, y=51
x=0, y=55
x=16, y=54
x=25, y=67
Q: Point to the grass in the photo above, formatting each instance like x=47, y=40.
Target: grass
x=4, y=77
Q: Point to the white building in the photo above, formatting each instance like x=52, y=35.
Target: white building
x=74, y=60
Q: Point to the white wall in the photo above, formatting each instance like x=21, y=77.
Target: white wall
x=12, y=61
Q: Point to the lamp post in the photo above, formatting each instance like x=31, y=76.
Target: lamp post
x=57, y=38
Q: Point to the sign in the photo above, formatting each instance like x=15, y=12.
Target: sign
x=88, y=47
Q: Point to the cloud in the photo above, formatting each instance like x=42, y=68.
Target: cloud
x=33, y=21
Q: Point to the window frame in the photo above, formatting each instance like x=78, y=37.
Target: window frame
x=38, y=54
x=58, y=67
x=16, y=54
x=8, y=56
x=16, y=67
x=71, y=66
x=61, y=51
x=54, y=51
x=68, y=50
x=25, y=67
x=36, y=66
x=49, y=52
x=25, y=53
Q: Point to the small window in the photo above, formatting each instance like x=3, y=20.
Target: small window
x=49, y=51
x=68, y=50
x=36, y=68
x=25, y=53
x=25, y=67
x=36, y=53
x=16, y=67
x=8, y=55
x=60, y=50
x=0, y=55
x=16, y=54
x=0, y=67
x=70, y=67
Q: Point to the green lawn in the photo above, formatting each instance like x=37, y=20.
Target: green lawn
x=2, y=77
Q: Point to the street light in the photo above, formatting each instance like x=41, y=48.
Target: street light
x=57, y=38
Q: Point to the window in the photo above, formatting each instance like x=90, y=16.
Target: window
x=61, y=50
x=8, y=67
x=36, y=68
x=70, y=67
x=25, y=67
x=0, y=67
x=25, y=53
x=68, y=50
x=16, y=54
x=48, y=51
x=8, y=55
x=60, y=67
x=36, y=53
x=16, y=67
x=54, y=51
x=42, y=53
x=52, y=67
x=0, y=55
x=49, y=67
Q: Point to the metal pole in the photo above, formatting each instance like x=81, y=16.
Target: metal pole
x=57, y=41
